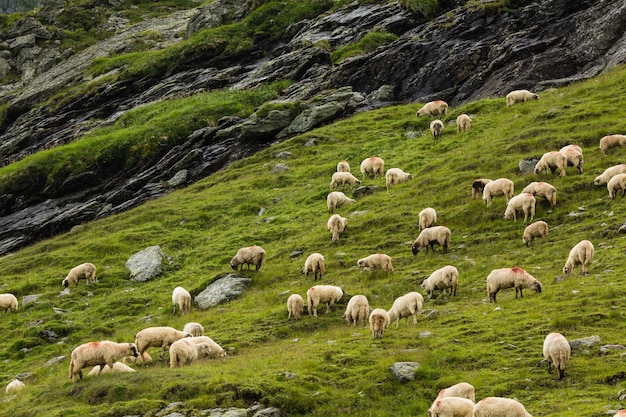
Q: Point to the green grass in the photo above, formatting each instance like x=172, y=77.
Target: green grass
x=341, y=370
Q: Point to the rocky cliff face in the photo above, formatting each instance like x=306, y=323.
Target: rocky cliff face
x=468, y=53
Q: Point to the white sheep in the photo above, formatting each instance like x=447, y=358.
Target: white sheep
x=98, y=353
x=8, y=302
x=463, y=123
x=501, y=186
x=405, y=306
x=524, y=202
x=337, y=199
x=216, y=350
x=436, y=128
x=542, y=189
x=574, y=156
x=117, y=368
x=14, y=386
x=86, y=271
x=379, y=321
x=184, y=352
x=609, y=173
x=499, y=407
x=581, y=253
x=431, y=235
x=336, y=224
x=295, y=305
x=611, y=141
x=251, y=255
x=376, y=261
x=328, y=294
x=395, y=176
x=550, y=161
x=615, y=184
x=315, y=263
x=451, y=407
x=339, y=179
x=620, y=413
x=461, y=390
x=556, y=351
x=357, y=311
x=131, y=359
x=181, y=299
x=535, y=230
x=374, y=166
x=500, y=279
x=571, y=146
x=478, y=186
x=161, y=337
x=445, y=278
x=194, y=329
x=343, y=166
x=426, y=218
x=433, y=108
x=520, y=96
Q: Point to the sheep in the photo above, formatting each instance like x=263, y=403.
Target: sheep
x=194, y=329
x=131, y=359
x=500, y=279
x=430, y=236
x=463, y=123
x=336, y=224
x=86, y=271
x=574, y=156
x=609, y=173
x=501, y=186
x=620, y=413
x=499, y=407
x=550, y=161
x=314, y=263
x=98, y=353
x=157, y=337
x=535, y=230
x=436, y=128
x=184, y=352
x=328, y=294
x=254, y=255
x=295, y=305
x=426, y=218
x=542, y=189
x=433, y=108
x=610, y=141
x=520, y=96
x=117, y=367
x=216, y=350
x=377, y=260
x=461, y=390
x=451, y=407
x=446, y=278
x=556, y=351
x=405, y=306
x=337, y=199
x=379, y=321
x=395, y=176
x=357, y=311
x=374, y=166
x=571, y=147
x=343, y=166
x=616, y=183
x=181, y=299
x=342, y=178
x=14, y=386
x=8, y=302
x=581, y=253
x=478, y=185
x=524, y=202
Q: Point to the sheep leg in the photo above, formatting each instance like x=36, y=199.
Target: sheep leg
x=561, y=373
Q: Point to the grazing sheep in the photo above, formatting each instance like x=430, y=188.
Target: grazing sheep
x=328, y=294
x=524, y=202
x=336, y=224
x=461, y=390
x=451, y=407
x=501, y=186
x=436, y=128
x=611, y=141
x=405, y=306
x=216, y=350
x=542, y=189
x=609, y=173
x=395, y=176
x=295, y=305
x=337, y=199
x=14, y=386
x=550, y=161
x=574, y=156
x=500, y=279
x=254, y=255
x=463, y=123
x=357, y=311
x=374, y=166
x=194, y=329
x=377, y=260
x=556, y=350
x=570, y=147
x=520, y=96
x=620, y=413
x=581, y=254
x=535, y=230
x=184, y=352
x=499, y=407
x=86, y=271
x=379, y=321
x=433, y=108
x=157, y=337
x=426, y=218
x=478, y=186
x=431, y=235
x=117, y=368
x=616, y=183
x=98, y=353
x=8, y=302
x=343, y=178
x=314, y=263
x=343, y=166
x=446, y=278
x=181, y=299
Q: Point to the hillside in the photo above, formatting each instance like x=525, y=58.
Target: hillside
x=319, y=366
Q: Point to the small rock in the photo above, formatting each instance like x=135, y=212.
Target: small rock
x=585, y=342
x=294, y=254
x=282, y=154
x=404, y=371
x=608, y=348
x=424, y=335
x=433, y=314
x=280, y=168
x=312, y=142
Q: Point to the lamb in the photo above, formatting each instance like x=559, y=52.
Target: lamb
x=328, y=294
x=500, y=279
x=461, y=390
x=433, y=108
x=337, y=199
x=337, y=224
x=131, y=359
x=550, y=161
x=379, y=321
x=451, y=407
x=524, y=202
x=535, y=230
x=611, y=141
x=314, y=263
x=157, y=337
x=446, y=278
x=194, y=329
x=499, y=407
x=436, y=128
x=357, y=311
x=581, y=254
x=405, y=306
x=377, y=260
x=98, y=353
x=86, y=271
x=430, y=236
x=295, y=305
x=14, y=386
x=117, y=367
x=216, y=350
x=618, y=182
x=609, y=173
x=395, y=176
x=463, y=123
x=184, y=352
x=342, y=178
x=520, y=96
x=556, y=351
x=374, y=166
x=343, y=166
x=478, y=186
x=426, y=218
x=181, y=299
x=574, y=156
x=8, y=302
x=542, y=189
x=501, y=186
x=254, y=255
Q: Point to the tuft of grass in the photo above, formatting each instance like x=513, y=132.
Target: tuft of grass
x=368, y=43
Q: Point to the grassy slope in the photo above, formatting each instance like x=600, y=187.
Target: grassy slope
x=341, y=370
